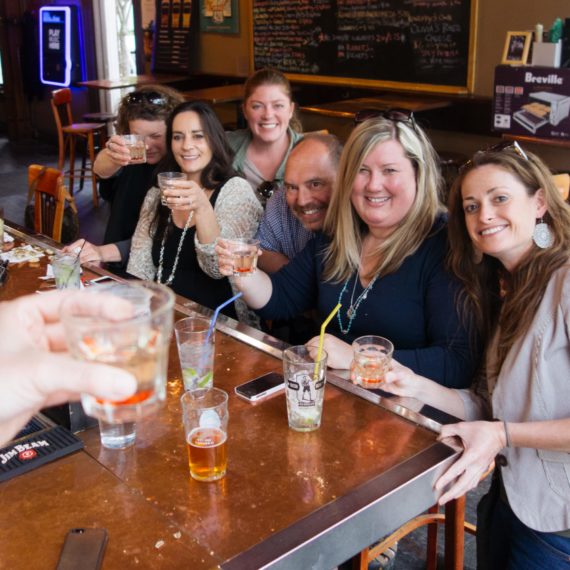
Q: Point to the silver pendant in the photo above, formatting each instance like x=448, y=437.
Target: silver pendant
x=349, y=312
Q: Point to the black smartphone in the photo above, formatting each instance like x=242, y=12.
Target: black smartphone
x=261, y=387
x=83, y=549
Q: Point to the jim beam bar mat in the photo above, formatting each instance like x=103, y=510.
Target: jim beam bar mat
x=38, y=443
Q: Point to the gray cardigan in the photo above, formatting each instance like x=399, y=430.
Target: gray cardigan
x=534, y=385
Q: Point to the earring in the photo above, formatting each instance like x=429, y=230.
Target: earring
x=542, y=235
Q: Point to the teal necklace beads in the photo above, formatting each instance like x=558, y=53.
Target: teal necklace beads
x=353, y=308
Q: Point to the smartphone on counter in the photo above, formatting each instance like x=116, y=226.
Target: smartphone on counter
x=261, y=388
x=101, y=280
x=83, y=548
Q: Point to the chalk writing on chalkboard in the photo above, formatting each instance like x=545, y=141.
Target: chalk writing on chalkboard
x=408, y=41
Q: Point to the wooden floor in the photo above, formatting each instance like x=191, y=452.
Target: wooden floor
x=14, y=160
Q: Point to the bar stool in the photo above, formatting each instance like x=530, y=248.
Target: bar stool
x=102, y=117
x=69, y=133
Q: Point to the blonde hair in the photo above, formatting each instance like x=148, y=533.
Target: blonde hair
x=526, y=284
x=270, y=76
x=343, y=224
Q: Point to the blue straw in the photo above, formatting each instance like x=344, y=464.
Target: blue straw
x=217, y=312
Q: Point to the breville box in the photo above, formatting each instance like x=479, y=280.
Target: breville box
x=532, y=101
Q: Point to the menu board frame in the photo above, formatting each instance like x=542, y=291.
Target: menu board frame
x=467, y=86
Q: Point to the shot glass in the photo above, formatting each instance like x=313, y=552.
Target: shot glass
x=168, y=181
x=195, y=352
x=245, y=252
x=66, y=270
x=138, y=344
x=117, y=436
x=205, y=417
x=305, y=378
x=137, y=148
x=372, y=356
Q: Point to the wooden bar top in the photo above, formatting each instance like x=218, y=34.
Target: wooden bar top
x=214, y=95
x=349, y=107
x=288, y=500
x=129, y=81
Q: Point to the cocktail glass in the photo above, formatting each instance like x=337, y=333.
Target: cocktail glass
x=138, y=344
x=245, y=253
x=372, y=356
x=196, y=352
x=168, y=181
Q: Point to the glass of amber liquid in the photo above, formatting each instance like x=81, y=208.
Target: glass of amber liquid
x=205, y=417
x=138, y=344
x=372, y=356
x=137, y=148
x=245, y=252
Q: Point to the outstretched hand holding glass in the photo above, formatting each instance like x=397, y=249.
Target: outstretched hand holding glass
x=36, y=370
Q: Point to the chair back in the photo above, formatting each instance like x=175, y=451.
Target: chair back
x=61, y=107
x=46, y=184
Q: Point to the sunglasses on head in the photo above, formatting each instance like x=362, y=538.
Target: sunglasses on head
x=394, y=115
x=503, y=146
x=267, y=188
x=151, y=97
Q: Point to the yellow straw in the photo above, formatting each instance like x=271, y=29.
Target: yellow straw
x=322, y=339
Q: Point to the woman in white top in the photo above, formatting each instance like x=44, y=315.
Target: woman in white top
x=174, y=243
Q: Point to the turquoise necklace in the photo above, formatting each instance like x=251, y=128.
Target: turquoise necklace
x=353, y=308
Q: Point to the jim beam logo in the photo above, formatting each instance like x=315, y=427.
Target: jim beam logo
x=24, y=451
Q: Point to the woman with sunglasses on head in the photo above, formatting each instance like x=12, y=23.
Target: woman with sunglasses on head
x=381, y=256
x=174, y=243
x=143, y=112
x=510, y=245
x=262, y=149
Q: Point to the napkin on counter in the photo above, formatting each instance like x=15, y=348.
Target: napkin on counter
x=22, y=253
x=7, y=237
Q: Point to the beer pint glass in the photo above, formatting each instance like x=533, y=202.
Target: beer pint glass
x=205, y=417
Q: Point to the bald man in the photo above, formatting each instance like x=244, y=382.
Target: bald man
x=295, y=212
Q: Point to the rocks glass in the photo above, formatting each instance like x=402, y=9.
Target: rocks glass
x=138, y=344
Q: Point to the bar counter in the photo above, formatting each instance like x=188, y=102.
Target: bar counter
x=289, y=500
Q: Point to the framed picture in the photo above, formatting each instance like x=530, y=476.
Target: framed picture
x=517, y=46
x=219, y=16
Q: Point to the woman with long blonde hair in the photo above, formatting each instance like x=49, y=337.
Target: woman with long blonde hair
x=381, y=256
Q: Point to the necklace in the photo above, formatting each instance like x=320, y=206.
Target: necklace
x=351, y=312
x=161, y=257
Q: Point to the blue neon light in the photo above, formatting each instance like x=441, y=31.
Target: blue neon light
x=51, y=15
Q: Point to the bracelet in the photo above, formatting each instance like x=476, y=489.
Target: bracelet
x=507, y=437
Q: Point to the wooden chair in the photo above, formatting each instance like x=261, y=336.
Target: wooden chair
x=69, y=133
x=455, y=526
x=50, y=195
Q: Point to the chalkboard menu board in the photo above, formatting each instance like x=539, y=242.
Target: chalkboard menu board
x=417, y=44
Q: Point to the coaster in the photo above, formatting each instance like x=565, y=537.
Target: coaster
x=38, y=443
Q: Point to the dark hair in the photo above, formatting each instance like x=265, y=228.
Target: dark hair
x=147, y=103
x=216, y=172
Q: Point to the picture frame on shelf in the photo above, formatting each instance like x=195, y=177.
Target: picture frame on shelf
x=517, y=47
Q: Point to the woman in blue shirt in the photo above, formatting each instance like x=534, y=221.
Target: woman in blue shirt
x=381, y=256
